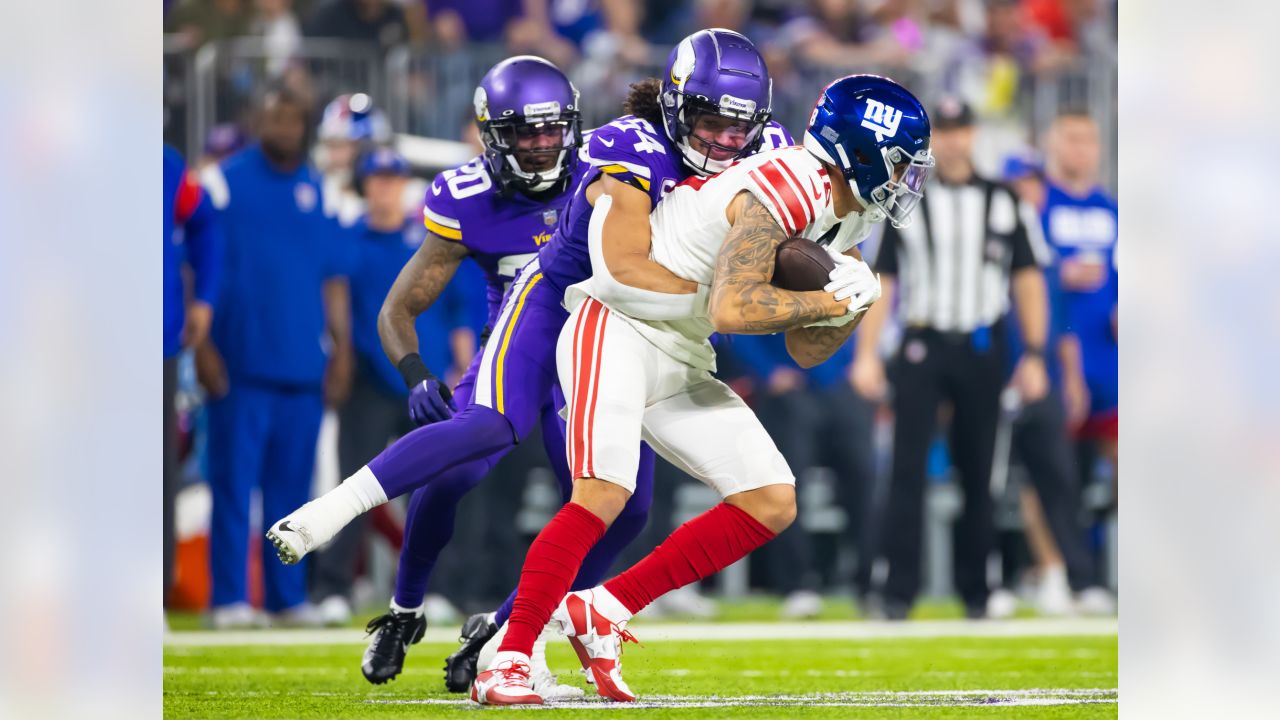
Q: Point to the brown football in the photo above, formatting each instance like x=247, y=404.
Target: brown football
x=802, y=265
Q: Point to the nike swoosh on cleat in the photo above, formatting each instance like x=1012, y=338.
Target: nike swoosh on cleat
x=284, y=527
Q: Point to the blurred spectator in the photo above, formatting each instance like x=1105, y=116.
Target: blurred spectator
x=265, y=366
x=380, y=22
x=223, y=141
x=281, y=33
x=1080, y=221
x=838, y=34
x=957, y=263
x=351, y=125
x=454, y=23
x=727, y=14
x=536, y=32
x=200, y=21
x=191, y=237
x=1041, y=441
x=383, y=240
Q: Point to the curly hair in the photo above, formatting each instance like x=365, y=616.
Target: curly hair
x=642, y=101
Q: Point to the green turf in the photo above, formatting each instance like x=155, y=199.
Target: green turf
x=325, y=681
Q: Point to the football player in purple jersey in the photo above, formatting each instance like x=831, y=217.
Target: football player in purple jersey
x=712, y=107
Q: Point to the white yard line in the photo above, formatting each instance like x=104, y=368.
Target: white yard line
x=909, y=698
x=655, y=632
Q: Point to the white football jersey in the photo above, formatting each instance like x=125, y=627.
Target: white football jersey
x=689, y=228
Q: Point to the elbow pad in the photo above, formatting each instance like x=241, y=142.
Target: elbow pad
x=635, y=302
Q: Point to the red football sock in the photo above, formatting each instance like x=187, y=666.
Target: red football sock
x=701, y=547
x=549, y=568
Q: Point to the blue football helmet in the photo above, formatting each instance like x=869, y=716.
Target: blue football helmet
x=869, y=127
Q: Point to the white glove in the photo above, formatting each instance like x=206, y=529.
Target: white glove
x=851, y=280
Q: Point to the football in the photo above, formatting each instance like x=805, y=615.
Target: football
x=802, y=265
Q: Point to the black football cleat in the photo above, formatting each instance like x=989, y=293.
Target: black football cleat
x=460, y=667
x=392, y=633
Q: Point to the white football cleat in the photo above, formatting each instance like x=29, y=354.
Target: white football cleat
x=545, y=682
x=598, y=642
x=292, y=540
x=235, y=616
x=1053, y=596
x=316, y=522
x=1096, y=602
x=506, y=682
x=1001, y=604
x=802, y=605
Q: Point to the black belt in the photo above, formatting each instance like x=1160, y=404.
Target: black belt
x=954, y=337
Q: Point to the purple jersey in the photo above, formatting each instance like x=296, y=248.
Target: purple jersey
x=500, y=233
x=633, y=151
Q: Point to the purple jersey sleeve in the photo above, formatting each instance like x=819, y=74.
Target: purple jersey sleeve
x=633, y=151
x=442, y=213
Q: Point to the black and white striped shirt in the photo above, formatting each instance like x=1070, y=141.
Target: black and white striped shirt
x=954, y=260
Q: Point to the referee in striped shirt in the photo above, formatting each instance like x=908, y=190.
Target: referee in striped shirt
x=952, y=272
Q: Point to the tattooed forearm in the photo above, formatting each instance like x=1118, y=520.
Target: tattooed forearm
x=810, y=346
x=418, y=285
x=742, y=300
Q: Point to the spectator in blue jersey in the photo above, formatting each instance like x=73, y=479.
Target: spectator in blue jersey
x=1080, y=223
x=817, y=420
x=1040, y=441
x=382, y=241
x=280, y=349
x=191, y=237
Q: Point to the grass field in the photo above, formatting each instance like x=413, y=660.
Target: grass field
x=863, y=677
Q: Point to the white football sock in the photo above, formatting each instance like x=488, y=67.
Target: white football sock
x=490, y=649
x=608, y=605
x=538, y=660
x=329, y=513
x=417, y=611
x=508, y=656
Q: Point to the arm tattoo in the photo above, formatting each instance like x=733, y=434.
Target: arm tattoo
x=811, y=346
x=744, y=267
x=420, y=282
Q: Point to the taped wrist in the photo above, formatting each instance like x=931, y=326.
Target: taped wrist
x=413, y=370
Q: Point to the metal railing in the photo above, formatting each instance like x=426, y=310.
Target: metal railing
x=429, y=93
x=226, y=76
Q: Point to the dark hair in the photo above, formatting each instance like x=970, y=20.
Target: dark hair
x=642, y=101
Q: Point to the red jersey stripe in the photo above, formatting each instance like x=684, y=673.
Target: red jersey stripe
x=597, y=361
x=800, y=190
x=582, y=374
x=793, y=205
x=785, y=221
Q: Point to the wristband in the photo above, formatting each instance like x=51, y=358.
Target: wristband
x=413, y=370
x=1033, y=351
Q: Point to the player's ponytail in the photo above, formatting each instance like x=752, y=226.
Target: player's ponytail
x=642, y=101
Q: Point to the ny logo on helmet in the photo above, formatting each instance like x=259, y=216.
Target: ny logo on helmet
x=881, y=118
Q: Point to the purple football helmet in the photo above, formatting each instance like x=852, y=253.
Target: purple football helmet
x=715, y=72
x=530, y=124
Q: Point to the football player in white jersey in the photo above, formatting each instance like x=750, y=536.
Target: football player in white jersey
x=633, y=367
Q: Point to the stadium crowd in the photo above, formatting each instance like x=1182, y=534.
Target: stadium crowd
x=296, y=213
